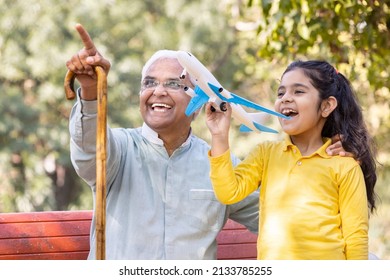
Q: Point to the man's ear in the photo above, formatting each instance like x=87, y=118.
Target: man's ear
x=328, y=105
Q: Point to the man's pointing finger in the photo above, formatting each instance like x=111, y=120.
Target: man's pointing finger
x=87, y=41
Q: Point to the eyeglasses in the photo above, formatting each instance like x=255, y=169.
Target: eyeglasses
x=168, y=84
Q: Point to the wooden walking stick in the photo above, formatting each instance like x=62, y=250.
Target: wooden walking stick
x=101, y=153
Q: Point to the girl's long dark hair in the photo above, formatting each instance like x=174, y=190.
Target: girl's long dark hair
x=346, y=120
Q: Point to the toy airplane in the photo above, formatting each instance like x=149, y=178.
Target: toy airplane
x=207, y=88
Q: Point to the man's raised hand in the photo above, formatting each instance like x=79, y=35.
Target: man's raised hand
x=82, y=63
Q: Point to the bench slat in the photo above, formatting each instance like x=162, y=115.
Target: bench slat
x=44, y=245
x=236, y=236
x=46, y=216
x=44, y=229
x=236, y=251
x=82, y=255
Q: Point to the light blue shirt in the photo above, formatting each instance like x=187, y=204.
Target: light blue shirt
x=158, y=207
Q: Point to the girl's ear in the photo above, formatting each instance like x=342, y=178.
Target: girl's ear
x=328, y=105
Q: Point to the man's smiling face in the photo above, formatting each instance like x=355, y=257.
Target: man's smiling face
x=163, y=108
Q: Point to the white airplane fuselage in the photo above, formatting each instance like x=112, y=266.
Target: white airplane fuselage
x=203, y=78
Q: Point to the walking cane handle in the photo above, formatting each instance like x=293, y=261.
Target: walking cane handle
x=69, y=85
x=69, y=82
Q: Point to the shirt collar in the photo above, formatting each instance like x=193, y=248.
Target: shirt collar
x=287, y=143
x=321, y=151
x=152, y=136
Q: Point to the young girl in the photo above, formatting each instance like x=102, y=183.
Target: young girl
x=312, y=205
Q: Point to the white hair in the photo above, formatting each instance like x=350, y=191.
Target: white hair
x=156, y=56
x=159, y=55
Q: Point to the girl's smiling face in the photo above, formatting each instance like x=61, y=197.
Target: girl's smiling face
x=300, y=100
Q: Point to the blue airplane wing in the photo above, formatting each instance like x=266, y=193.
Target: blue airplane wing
x=245, y=102
x=264, y=128
x=197, y=101
x=244, y=128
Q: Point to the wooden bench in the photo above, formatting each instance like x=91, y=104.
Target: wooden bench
x=64, y=235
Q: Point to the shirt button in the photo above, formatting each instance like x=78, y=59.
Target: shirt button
x=299, y=163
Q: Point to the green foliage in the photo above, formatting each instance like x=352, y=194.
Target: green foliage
x=341, y=29
x=36, y=39
x=246, y=46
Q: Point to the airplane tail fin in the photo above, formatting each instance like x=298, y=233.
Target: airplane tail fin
x=244, y=128
x=197, y=101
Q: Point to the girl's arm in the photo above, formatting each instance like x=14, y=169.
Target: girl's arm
x=354, y=214
x=226, y=184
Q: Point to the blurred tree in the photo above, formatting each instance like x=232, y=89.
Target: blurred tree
x=354, y=35
x=246, y=46
x=354, y=32
x=33, y=134
x=37, y=37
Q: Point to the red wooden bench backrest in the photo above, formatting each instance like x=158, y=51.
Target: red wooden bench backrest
x=64, y=235
x=236, y=242
x=57, y=235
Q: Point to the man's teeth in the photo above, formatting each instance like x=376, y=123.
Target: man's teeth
x=160, y=107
